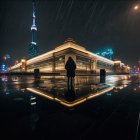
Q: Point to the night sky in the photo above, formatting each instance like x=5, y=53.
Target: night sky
x=94, y=24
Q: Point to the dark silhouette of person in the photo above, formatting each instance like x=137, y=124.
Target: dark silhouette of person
x=70, y=67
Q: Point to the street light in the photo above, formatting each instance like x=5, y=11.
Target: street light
x=136, y=7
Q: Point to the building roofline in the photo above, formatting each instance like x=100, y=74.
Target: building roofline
x=66, y=45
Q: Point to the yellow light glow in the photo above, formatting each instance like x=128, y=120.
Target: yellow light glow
x=117, y=61
x=69, y=104
x=100, y=93
x=39, y=93
x=136, y=7
x=72, y=104
x=23, y=60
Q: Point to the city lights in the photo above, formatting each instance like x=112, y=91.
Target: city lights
x=3, y=68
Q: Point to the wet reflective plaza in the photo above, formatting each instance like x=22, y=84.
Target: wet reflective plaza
x=49, y=109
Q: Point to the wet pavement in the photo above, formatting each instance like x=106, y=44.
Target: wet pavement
x=111, y=115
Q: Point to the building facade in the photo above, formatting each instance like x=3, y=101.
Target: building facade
x=54, y=61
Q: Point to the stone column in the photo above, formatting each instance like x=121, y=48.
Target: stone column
x=23, y=67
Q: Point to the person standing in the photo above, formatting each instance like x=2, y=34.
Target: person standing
x=70, y=67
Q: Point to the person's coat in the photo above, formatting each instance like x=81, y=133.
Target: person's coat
x=70, y=67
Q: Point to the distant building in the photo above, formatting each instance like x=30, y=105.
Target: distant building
x=54, y=61
x=33, y=47
x=7, y=60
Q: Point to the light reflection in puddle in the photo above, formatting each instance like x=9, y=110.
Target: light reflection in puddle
x=68, y=99
x=55, y=88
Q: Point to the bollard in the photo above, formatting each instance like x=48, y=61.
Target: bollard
x=36, y=75
x=102, y=75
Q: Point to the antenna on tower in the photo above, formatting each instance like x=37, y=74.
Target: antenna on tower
x=33, y=48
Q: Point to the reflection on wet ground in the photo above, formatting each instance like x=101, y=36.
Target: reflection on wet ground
x=69, y=98
x=55, y=88
x=37, y=111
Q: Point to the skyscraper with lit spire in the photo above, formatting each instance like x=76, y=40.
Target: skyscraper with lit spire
x=33, y=48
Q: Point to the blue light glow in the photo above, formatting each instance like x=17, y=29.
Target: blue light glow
x=3, y=68
x=108, y=53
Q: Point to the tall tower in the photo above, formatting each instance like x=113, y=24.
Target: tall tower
x=33, y=48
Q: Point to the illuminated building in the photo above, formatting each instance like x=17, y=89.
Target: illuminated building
x=3, y=68
x=33, y=47
x=7, y=60
x=54, y=61
x=23, y=65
